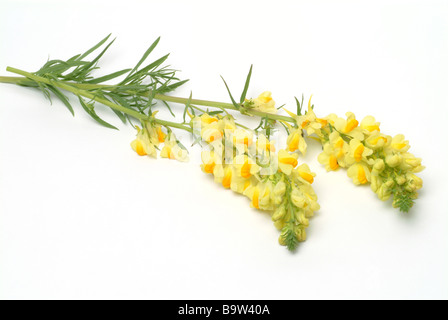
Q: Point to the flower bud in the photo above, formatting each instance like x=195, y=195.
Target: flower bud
x=379, y=165
x=279, y=213
x=401, y=180
x=297, y=199
x=383, y=193
x=393, y=160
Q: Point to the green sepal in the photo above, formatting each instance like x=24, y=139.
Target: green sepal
x=62, y=97
x=236, y=105
x=246, y=85
x=89, y=108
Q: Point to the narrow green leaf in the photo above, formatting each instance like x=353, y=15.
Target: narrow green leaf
x=87, y=68
x=99, y=44
x=74, y=58
x=213, y=113
x=286, y=128
x=299, y=107
x=187, y=105
x=44, y=89
x=154, y=64
x=150, y=49
x=246, y=86
x=62, y=97
x=143, y=72
x=90, y=110
x=181, y=145
x=108, y=77
x=169, y=108
x=119, y=114
x=198, y=140
x=174, y=86
x=236, y=105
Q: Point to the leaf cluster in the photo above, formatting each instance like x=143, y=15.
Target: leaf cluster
x=135, y=92
x=239, y=105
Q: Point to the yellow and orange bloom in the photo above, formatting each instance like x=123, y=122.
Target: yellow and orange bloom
x=287, y=162
x=304, y=174
x=296, y=141
x=245, y=167
x=358, y=152
x=172, y=150
x=378, y=141
x=369, y=124
x=265, y=103
x=142, y=145
x=360, y=173
x=349, y=126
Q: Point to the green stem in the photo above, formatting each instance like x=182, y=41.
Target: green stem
x=157, y=96
x=86, y=94
x=215, y=104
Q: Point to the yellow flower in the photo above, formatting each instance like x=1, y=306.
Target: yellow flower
x=206, y=119
x=242, y=139
x=328, y=159
x=227, y=177
x=384, y=192
x=298, y=199
x=260, y=196
x=375, y=181
x=414, y=183
x=400, y=180
x=244, y=166
x=202, y=121
x=228, y=123
x=142, y=144
x=172, y=150
x=378, y=166
x=399, y=143
x=155, y=133
x=265, y=202
x=359, y=173
x=301, y=218
x=279, y=214
x=411, y=163
x=335, y=153
x=309, y=122
x=211, y=163
x=278, y=192
x=370, y=125
x=264, y=146
x=311, y=199
x=265, y=103
x=304, y=174
x=378, y=141
x=296, y=141
x=394, y=160
x=253, y=193
x=212, y=132
x=349, y=126
x=357, y=152
x=287, y=161
x=239, y=184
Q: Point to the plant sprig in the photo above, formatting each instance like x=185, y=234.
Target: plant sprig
x=134, y=94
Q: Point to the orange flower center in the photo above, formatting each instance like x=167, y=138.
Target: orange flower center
x=334, y=165
x=140, y=149
x=352, y=124
x=245, y=170
x=359, y=152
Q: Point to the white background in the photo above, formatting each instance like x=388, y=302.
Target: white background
x=81, y=216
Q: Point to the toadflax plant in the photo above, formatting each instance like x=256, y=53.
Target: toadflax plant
x=239, y=158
